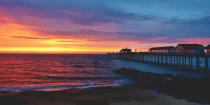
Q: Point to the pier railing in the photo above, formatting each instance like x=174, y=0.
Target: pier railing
x=186, y=61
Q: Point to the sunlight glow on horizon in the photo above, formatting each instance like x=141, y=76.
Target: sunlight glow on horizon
x=54, y=50
x=17, y=38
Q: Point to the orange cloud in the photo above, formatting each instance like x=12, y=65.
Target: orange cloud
x=18, y=38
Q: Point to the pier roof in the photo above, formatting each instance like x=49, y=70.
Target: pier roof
x=190, y=46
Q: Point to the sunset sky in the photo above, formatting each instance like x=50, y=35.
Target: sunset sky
x=100, y=26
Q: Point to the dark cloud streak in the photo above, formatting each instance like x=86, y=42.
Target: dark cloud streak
x=26, y=37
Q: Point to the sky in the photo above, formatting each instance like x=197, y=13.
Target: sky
x=100, y=26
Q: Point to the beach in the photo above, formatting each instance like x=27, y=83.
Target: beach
x=126, y=95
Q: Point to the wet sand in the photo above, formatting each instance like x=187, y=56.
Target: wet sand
x=126, y=95
x=193, y=89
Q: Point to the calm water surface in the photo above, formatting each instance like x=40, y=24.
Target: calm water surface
x=57, y=72
x=54, y=72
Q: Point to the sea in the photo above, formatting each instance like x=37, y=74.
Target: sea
x=49, y=72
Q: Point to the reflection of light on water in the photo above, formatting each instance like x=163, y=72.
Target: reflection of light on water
x=56, y=72
x=66, y=87
x=52, y=89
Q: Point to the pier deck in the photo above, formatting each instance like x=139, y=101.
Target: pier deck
x=188, y=62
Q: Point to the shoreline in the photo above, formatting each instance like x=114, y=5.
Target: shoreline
x=148, y=89
x=122, y=95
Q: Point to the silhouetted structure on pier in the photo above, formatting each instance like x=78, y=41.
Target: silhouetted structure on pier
x=190, y=49
x=165, y=50
x=187, y=56
x=126, y=50
x=194, y=49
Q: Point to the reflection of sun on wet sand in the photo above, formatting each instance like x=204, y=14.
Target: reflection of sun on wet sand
x=128, y=95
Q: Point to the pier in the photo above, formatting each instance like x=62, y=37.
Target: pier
x=190, y=62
